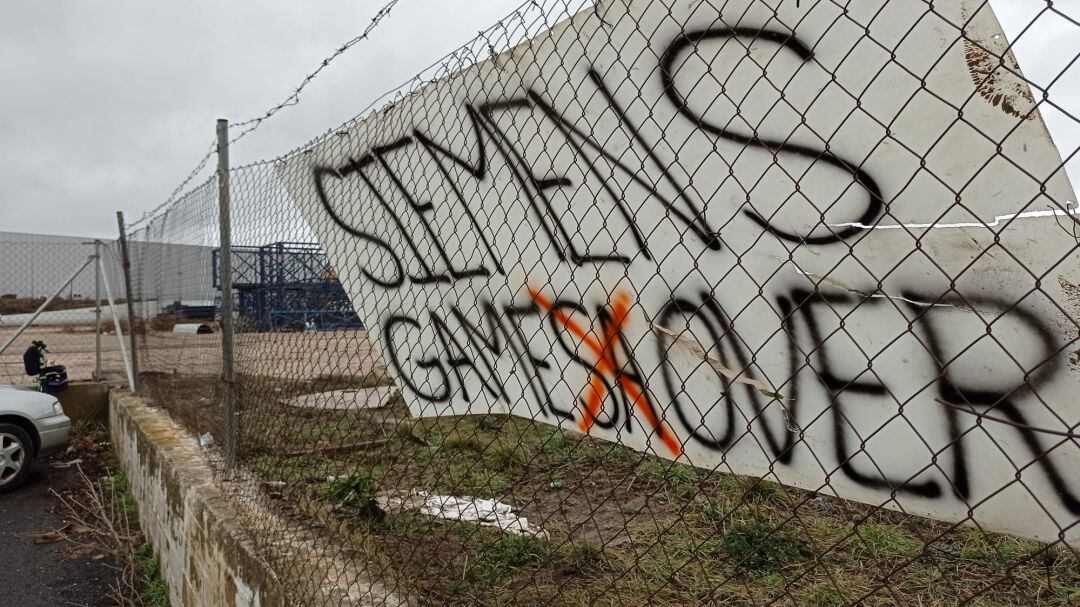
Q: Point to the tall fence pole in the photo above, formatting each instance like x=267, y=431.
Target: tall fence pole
x=116, y=324
x=125, y=260
x=97, y=310
x=225, y=269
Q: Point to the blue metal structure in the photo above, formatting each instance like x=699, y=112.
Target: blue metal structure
x=288, y=286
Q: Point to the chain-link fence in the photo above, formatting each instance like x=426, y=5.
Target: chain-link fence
x=742, y=303
x=52, y=290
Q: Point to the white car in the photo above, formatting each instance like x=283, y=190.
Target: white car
x=32, y=425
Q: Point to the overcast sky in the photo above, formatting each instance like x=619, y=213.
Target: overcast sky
x=107, y=105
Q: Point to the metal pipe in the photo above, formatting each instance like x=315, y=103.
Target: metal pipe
x=225, y=260
x=126, y=263
x=45, y=304
x=97, y=311
x=119, y=331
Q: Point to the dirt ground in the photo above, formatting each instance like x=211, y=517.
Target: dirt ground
x=619, y=527
x=70, y=346
x=287, y=355
x=615, y=527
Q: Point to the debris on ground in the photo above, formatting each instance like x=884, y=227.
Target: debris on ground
x=484, y=512
x=57, y=535
x=62, y=465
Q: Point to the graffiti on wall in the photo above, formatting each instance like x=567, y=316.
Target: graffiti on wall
x=756, y=238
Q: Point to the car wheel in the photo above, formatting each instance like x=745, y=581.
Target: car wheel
x=16, y=456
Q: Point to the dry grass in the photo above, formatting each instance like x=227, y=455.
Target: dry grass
x=631, y=529
x=622, y=528
x=105, y=510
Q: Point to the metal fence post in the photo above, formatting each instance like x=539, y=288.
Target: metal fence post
x=116, y=324
x=225, y=261
x=126, y=263
x=97, y=310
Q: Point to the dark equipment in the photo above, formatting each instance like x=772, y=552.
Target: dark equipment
x=288, y=286
x=52, y=379
x=190, y=312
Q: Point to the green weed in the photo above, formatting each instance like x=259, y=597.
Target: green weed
x=669, y=475
x=463, y=440
x=153, y=592
x=355, y=491
x=714, y=511
x=886, y=541
x=120, y=495
x=496, y=560
x=823, y=596
x=1066, y=595
x=586, y=556
x=759, y=546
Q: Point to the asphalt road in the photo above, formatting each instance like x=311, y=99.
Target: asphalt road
x=46, y=575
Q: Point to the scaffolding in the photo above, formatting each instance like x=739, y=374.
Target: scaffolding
x=287, y=286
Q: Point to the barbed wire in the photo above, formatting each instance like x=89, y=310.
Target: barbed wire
x=150, y=214
x=439, y=67
x=252, y=124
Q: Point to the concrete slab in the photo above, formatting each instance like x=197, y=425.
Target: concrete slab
x=85, y=400
x=363, y=398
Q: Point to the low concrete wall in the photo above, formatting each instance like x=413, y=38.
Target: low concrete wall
x=86, y=401
x=207, y=558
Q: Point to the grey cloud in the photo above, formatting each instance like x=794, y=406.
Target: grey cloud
x=107, y=105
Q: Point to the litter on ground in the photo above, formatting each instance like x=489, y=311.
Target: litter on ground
x=485, y=512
